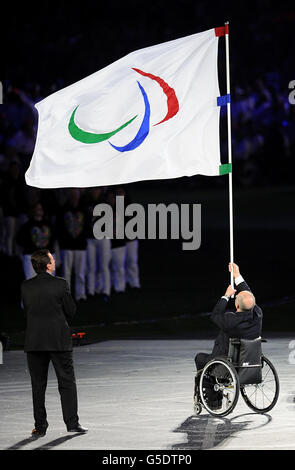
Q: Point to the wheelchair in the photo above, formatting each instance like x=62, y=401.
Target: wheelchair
x=245, y=370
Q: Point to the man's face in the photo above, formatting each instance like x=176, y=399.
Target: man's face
x=51, y=265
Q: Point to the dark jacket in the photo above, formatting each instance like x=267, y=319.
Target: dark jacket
x=48, y=307
x=246, y=325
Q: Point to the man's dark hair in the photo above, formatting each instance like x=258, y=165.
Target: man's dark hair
x=39, y=260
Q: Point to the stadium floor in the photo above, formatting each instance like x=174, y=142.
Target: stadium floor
x=137, y=394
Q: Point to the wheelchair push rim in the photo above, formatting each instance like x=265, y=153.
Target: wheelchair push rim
x=219, y=387
x=262, y=397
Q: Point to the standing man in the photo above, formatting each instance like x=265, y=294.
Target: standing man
x=48, y=306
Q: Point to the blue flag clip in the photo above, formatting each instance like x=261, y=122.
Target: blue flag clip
x=223, y=100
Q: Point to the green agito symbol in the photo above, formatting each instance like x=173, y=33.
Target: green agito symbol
x=90, y=137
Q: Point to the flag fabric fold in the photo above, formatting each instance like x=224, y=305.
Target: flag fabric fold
x=152, y=114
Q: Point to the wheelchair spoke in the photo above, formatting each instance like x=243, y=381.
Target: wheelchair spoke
x=264, y=377
x=268, y=381
x=262, y=397
x=268, y=388
x=255, y=390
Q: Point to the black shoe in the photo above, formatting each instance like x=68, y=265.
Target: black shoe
x=78, y=428
x=38, y=433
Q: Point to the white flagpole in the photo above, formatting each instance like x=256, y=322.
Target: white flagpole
x=230, y=184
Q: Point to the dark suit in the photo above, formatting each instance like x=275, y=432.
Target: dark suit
x=48, y=306
x=246, y=325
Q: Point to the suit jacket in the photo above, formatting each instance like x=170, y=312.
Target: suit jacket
x=246, y=325
x=48, y=306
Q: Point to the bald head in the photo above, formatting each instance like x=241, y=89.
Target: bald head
x=245, y=300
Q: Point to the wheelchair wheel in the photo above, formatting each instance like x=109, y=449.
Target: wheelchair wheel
x=262, y=397
x=219, y=387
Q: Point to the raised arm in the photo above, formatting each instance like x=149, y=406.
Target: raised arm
x=219, y=316
x=239, y=280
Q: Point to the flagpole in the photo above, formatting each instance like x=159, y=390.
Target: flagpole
x=230, y=182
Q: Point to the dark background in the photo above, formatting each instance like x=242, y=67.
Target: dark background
x=47, y=46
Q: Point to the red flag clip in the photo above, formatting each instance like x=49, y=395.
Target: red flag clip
x=221, y=31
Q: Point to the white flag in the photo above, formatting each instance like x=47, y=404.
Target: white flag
x=151, y=115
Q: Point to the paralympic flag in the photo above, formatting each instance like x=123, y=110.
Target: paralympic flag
x=152, y=114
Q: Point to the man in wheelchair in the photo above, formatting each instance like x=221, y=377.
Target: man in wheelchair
x=244, y=322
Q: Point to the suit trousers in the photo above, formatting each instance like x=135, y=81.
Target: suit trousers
x=201, y=360
x=38, y=363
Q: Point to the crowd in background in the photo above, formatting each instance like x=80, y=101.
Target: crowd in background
x=263, y=131
x=62, y=220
